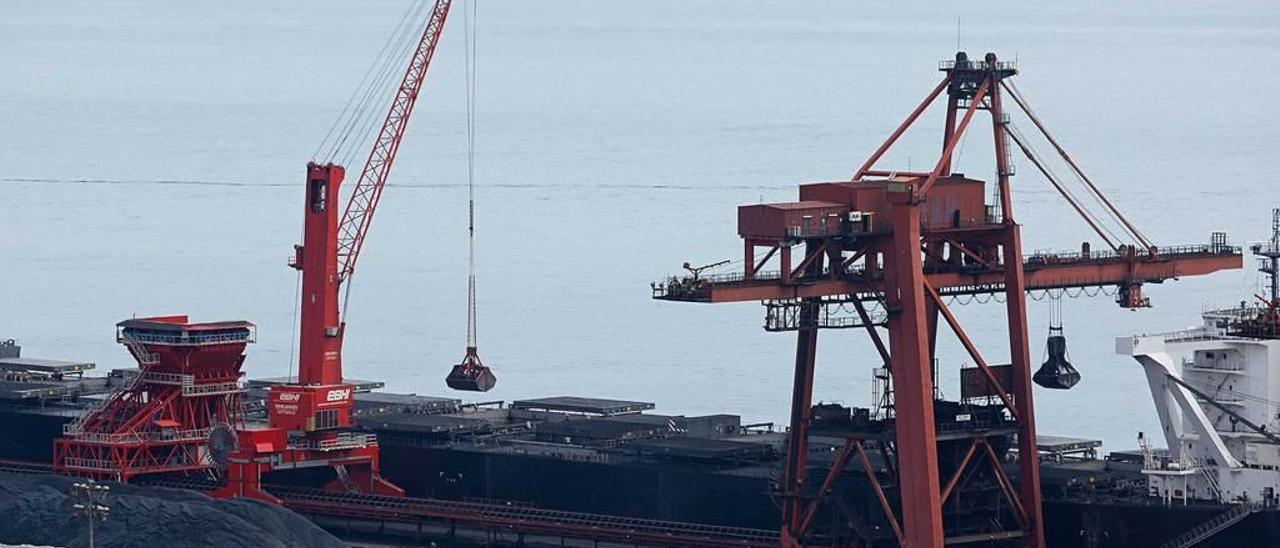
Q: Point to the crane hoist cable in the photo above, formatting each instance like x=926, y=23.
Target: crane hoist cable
x=471, y=374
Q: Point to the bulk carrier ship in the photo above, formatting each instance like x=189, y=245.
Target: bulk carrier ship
x=1214, y=486
x=911, y=469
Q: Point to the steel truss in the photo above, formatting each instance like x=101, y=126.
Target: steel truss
x=893, y=247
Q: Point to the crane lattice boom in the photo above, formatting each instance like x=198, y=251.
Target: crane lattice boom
x=364, y=199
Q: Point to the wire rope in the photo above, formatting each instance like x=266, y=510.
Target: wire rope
x=364, y=80
x=469, y=37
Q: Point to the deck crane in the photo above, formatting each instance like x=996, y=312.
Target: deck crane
x=309, y=418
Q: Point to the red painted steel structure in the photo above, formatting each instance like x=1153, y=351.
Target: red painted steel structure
x=162, y=419
x=908, y=240
x=317, y=408
x=526, y=520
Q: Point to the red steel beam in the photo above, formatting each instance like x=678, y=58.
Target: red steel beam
x=1005, y=485
x=844, y=265
x=1038, y=277
x=949, y=128
x=871, y=331
x=945, y=160
x=972, y=350
x=879, y=491
x=798, y=444
x=811, y=255
x=837, y=468
x=1020, y=359
x=966, y=251
x=756, y=268
x=902, y=128
x=912, y=375
x=955, y=478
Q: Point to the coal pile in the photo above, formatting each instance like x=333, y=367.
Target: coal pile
x=36, y=509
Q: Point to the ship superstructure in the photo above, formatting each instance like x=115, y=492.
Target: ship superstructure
x=1216, y=389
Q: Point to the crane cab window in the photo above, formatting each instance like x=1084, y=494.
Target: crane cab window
x=318, y=192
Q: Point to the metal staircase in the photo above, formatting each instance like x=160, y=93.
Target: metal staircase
x=1208, y=529
x=345, y=478
x=1210, y=476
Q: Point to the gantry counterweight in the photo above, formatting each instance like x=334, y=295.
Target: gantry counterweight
x=893, y=246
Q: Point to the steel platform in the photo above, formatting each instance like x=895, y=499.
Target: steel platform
x=41, y=365
x=13, y=390
x=587, y=406
x=379, y=403
x=358, y=384
x=704, y=449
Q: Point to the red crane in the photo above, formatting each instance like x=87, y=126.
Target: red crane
x=308, y=419
x=895, y=246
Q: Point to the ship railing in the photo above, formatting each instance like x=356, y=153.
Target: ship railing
x=55, y=410
x=1232, y=367
x=1153, y=463
x=1233, y=312
x=1195, y=334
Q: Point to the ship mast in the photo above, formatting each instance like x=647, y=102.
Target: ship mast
x=1269, y=257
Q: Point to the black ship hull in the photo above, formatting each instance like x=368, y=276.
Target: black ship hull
x=729, y=496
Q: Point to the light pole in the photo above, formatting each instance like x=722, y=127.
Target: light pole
x=92, y=496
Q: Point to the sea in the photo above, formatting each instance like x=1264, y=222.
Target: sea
x=152, y=157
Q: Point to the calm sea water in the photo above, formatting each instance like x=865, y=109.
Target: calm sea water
x=151, y=157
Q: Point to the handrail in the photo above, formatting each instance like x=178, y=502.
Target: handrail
x=976, y=65
x=134, y=437
x=186, y=339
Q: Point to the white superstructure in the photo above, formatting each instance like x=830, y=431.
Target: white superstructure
x=1216, y=389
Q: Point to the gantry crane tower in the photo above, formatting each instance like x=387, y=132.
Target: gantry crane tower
x=309, y=419
x=895, y=246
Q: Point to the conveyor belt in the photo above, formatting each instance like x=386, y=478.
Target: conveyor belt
x=523, y=519
x=25, y=467
x=512, y=518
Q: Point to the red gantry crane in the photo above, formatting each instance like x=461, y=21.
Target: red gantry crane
x=309, y=419
x=895, y=247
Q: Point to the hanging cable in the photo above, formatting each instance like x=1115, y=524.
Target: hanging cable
x=471, y=375
x=363, y=87
x=365, y=118
x=1097, y=195
x=1101, y=229
x=470, y=41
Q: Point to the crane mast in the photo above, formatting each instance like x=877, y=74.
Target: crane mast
x=330, y=249
x=309, y=418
